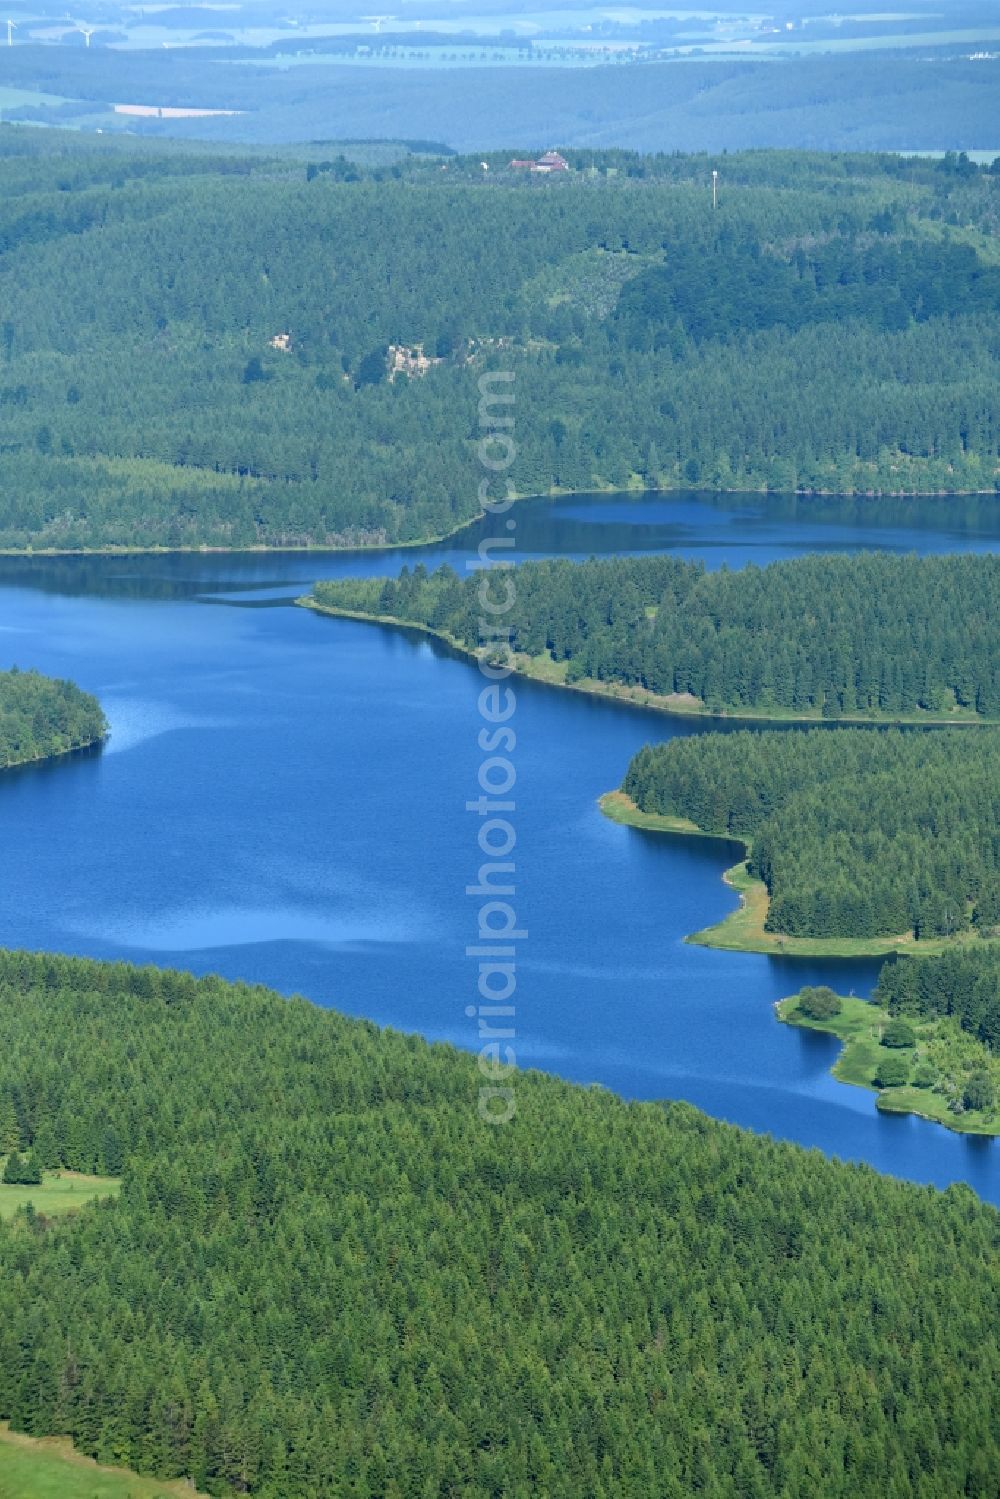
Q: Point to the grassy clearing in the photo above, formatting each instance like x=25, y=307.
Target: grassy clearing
x=942, y=1048
x=50, y=1468
x=60, y=1192
x=986, y=246
x=17, y=98
x=743, y=930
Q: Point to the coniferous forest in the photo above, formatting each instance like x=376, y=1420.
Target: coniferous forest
x=964, y=983
x=209, y=349
x=322, y=1273
x=326, y=1275
x=867, y=635
x=855, y=832
x=40, y=718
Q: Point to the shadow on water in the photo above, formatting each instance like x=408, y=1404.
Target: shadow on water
x=43, y=770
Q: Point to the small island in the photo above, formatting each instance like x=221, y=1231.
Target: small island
x=42, y=718
x=916, y=1063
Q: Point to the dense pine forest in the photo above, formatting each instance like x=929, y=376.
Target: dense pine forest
x=855, y=832
x=322, y=1272
x=964, y=983
x=326, y=1275
x=868, y=635
x=200, y=348
x=40, y=717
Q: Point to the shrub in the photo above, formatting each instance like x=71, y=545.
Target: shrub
x=893, y=1072
x=819, y=1004
x=898, y=1034
x=978, y=1093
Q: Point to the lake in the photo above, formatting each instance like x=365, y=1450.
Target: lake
x=283, y=800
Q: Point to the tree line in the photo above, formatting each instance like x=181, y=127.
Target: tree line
x=855, y=832
x=873, y=635
x=41, y=717
x=326, y=1275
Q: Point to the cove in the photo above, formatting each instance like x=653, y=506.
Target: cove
x=283, y=800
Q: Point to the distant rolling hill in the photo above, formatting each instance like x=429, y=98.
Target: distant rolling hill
x=855, y=101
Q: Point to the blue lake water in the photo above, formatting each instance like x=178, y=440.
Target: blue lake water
x=283, y=800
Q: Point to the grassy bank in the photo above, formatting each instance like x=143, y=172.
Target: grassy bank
x=743, y=930
x=50, y=1468
x=543, y=668
x=536, y=668
x=61, y=1192
x=944, y=1055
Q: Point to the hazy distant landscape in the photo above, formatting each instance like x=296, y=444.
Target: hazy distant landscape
x=645, y=76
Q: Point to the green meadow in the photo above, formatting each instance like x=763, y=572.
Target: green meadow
x=51, y=1469
x=60, y=1192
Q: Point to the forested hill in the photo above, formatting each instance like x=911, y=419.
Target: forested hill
x=855, y=833
x=41, y=717
x=870, y=635
x=325, y=1275
x=196, y=349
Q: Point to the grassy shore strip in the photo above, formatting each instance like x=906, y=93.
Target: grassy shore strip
x=941, y=1045
x=61, y=1192
x=681, y=704
x=51, y=1468
x=743, y=930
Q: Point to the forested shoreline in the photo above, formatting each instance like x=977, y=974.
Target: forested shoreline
x=870, y=635
x=922, y=1062
x=321, y=1271
x=324, y=1272
x=286, y=354
x=856, y=833
x=928, y=1039
x=41, y=718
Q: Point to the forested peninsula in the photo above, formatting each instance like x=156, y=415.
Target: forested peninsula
x=867, y=636
x=929, y=1040
x=861, y=838
x=324, y=1273
x=41, y=717
x=204, y=349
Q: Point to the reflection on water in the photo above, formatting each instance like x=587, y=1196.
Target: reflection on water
x=284, y=801
x=730, y=529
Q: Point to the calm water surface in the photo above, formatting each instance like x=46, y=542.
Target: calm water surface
x=283, y=800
